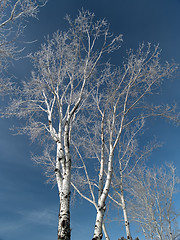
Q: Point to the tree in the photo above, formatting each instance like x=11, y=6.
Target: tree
x=12, y=14
x=151, y=204
x=57, y=95
x=129, y=157
x=83, y=109
x=120, y=108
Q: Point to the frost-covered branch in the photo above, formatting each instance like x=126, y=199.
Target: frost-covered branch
x=12, y=14
x=151, y=204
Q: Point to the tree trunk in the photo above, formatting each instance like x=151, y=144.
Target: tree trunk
x=98, y=225
x=101, y=202
x=64, y=231
x=128, y=233
x=123, y=204
x=63, y=178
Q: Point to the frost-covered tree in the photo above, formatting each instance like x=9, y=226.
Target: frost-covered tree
x=12, y=14
x=120, y=107
x=152, y=202
x=66, y=73
x=129, y=157
x=81, y=108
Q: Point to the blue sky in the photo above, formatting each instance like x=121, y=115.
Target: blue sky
x=28, y=207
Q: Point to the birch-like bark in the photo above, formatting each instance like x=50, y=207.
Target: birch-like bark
x=101, y=171
x=103, y=196
x=126, y=221
x=63, y=182
x=64, y=231
x=123, y=205
x=65, y=78
x=101, y=201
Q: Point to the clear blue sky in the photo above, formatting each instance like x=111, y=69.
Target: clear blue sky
x=28, y=207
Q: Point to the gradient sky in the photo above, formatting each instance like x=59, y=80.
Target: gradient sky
x=28, y=207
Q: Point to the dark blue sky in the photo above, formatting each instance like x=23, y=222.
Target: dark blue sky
x=28, y=207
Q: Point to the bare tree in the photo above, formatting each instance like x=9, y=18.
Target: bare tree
x=12, y=14
x=120, y=107
x=56, y=96
x=129, y=157
x=76, y=104
x=151, y=204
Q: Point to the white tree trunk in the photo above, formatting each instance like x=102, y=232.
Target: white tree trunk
x=101, y=201
x=127, y=226
x=123, y=205
x=64, y=231
x=63, y=178
x=98, y=225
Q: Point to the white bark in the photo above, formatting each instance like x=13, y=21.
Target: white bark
x=117, y=112
x=66, y=75
x=64, y=182
x=123, y=205
x=101, y=201
x=98, y=225
x=126, y=221
x=64, y=231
